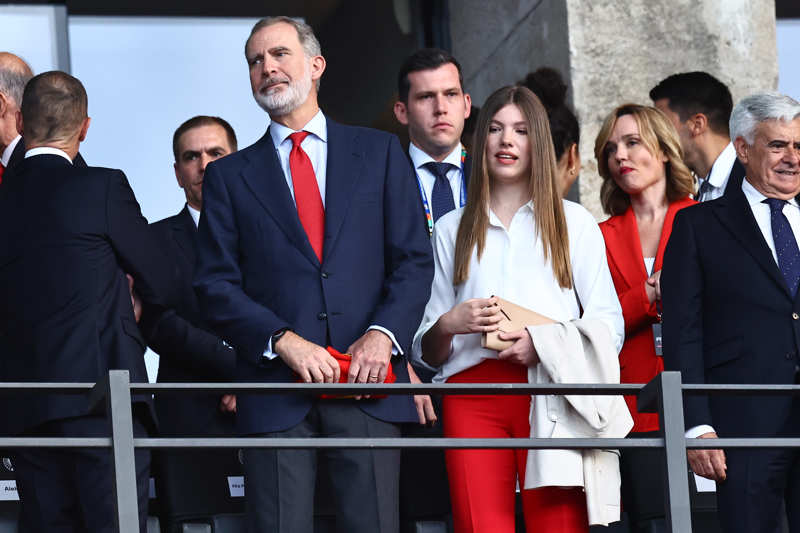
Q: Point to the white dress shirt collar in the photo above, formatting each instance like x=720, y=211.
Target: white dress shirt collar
x=6, y=157
x=420, y=158
x=721, y=169
x=316, y=126
x=195, y=215
x=49, y=150
x=494, y=220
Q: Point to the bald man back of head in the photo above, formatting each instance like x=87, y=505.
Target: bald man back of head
x=54, y=112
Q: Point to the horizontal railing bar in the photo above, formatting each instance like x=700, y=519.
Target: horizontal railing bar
x=739, y=389
x=394, y=388
x=251, y=442
x=755, y=442
x=450, y=443
x=50, y=388
x=55, y=442
x=591, y=389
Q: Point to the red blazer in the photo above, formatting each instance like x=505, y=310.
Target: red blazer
x=637, y=360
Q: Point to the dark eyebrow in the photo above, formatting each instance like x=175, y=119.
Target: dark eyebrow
x=189, y=153
x=277, y=49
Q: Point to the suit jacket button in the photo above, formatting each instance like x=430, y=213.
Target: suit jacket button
x=790, y=356
x=795, y=316
x=322, y=316
x=324, y=275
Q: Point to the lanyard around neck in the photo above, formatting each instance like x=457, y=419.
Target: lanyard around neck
x=462, y=197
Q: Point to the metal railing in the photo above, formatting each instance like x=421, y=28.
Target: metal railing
x=663, y=395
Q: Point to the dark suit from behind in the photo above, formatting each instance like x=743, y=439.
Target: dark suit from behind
x=729, y=318
x=69, y=236
x=189, y=482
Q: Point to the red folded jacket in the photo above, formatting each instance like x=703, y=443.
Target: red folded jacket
x=344, y=365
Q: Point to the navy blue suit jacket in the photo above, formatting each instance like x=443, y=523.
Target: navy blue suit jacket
x=257, y=273
x=728, y=316
x=69, y=235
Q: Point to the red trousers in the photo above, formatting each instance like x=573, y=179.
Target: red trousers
x=483, y=482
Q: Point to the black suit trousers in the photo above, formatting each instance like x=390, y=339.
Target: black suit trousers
x=279, y=484
x=72, y=490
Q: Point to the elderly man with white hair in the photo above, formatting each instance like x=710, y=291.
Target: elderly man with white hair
x=732, y=315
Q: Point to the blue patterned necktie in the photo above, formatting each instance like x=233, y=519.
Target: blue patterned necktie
x=785, y=244
x=442, y=194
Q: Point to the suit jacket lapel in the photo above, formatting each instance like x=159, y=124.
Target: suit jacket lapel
x=631, y=261
x=344, y=169
x=185, y=234
x=264, y=176
x=736, y=215
x=736, y=176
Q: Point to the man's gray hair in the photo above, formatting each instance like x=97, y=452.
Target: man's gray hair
x=13, y=81
x=760, y=107
x=305, y=34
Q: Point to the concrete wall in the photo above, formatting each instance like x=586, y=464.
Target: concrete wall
x=614, y=51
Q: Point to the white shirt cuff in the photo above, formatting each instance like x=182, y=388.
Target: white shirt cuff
x=693, y=433
x=396, y=349
x=268, y=353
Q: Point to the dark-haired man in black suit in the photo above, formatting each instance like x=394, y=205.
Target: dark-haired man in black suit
x=699, y=106
x=69, y=236
x=187, y=351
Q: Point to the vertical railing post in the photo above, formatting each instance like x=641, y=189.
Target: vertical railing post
x=120, y=415
x=666, y=392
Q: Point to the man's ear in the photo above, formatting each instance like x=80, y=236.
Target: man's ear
x=3, y=104
x=318, y=65
x=401, y=113
x=177, y=175
x=468, y=103
x=742, y=148
x=84, y=129
x=698, y=124
x=19, y=121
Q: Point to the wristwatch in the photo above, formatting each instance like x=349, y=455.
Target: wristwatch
x=277, y=336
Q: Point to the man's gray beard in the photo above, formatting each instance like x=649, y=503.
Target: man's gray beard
x=283, y=102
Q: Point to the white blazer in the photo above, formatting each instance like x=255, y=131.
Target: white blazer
x=579, y=351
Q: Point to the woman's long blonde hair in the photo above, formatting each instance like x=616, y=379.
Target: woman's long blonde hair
x=657, y=134
x=548, y=210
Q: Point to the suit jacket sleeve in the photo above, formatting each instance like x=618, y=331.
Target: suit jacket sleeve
x=682, y=298
x=407, y=251
x=134, y=244
x=228, y=310
x=171, y=335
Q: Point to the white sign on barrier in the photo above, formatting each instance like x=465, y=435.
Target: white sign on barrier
x=236, y=486
x=8, y=490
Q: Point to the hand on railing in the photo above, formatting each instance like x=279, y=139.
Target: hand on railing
x=423, y=403
x=709, y=464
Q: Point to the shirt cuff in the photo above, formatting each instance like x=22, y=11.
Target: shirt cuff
x=693, y=433
x=268, y=354
x=396, y=349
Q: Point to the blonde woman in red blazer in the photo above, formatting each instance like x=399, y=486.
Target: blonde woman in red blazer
x=645, y=182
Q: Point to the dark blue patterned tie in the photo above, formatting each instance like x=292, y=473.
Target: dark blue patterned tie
x=785, y=244
x=442, y=194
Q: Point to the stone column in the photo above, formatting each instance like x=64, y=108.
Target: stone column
x=613, y=51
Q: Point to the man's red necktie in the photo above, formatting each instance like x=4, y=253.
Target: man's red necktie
x=306, y=193
x=2, y=169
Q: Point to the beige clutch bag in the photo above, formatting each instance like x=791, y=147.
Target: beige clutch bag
x=515, y=318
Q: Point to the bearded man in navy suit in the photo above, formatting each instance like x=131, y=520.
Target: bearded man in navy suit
x=311, y=238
